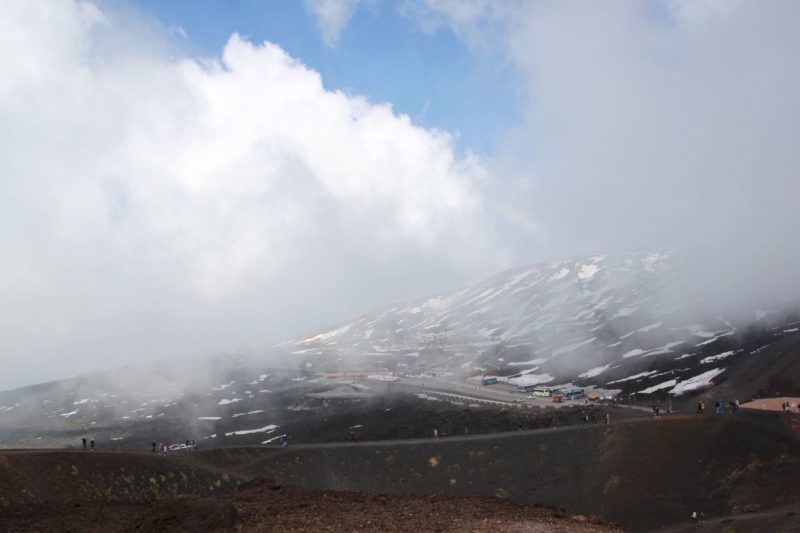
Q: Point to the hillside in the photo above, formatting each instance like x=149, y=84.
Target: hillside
x=642, y=474
x=619, y=321
x=740, y=469
x=603, y=321
x=100, y=491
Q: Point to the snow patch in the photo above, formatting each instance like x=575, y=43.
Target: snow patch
x=697, y=382
x=595, y=371
x=265, y=429
x=225, y=401
x=665, y=385
x=530, y=379
x=699, y=331
x=327, y=336
x=718, y=357
x=587, y=272
x=273, y=439
x=642, y=330
x=713, y=339
x=633, y=353
x=636, y=376
x=236, y=415
x=526, y=363
x=667, y=348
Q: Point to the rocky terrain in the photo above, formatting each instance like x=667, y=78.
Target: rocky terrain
x=644, y=474
x=262, y=505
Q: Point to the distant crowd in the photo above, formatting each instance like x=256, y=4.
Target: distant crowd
x=156, y=447
x=161, y=449
x=719, y=406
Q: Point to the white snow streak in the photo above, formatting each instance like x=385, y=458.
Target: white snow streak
x=271, y=427
x=697, y=382
x=595, y=371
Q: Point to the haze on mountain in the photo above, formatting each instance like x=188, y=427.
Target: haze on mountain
x=162, y=201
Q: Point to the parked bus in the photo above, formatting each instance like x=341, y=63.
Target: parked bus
x=490, y=381
x=542, y=392
x=572, y=393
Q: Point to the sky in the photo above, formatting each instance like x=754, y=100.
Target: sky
x=185, y=178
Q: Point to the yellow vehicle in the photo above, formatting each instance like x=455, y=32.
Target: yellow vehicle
x=594, y=398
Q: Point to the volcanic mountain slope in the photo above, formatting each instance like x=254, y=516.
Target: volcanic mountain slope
x=608, y=321
x=598, y=319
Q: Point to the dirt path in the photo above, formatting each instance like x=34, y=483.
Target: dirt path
x=476, y=437
x=782, y=519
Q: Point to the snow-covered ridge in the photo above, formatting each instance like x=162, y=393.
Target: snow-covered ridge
x=600, y=318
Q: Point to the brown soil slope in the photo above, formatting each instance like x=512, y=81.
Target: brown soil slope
x=71, y=491
x=643, y=475
x=263, y=506
x=31, y=477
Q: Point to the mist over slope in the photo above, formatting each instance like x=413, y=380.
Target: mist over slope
x=595, y=318
x=617, y=322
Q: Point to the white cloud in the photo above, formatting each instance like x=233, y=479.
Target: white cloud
x=332, y=16
x=157, y=207
x=656, y=123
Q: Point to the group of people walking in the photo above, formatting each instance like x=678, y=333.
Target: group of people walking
x=91, y=444
x=719, y=406
x=160, y=448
